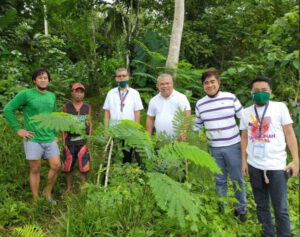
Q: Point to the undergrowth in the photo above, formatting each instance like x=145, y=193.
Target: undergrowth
x=171, y=194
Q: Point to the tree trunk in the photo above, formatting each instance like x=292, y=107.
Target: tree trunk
x=175, y=41
x=45, y=19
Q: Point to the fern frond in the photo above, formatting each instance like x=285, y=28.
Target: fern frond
x=172, y=198
x=183, y=150
x=134, y=134
x=59, y=121
x=30, y=231
x=182, y=124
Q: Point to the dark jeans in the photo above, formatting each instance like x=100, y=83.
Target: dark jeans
x=127, y=155
x=277, y=191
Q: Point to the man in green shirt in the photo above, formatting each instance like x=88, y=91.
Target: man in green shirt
x=38, y=142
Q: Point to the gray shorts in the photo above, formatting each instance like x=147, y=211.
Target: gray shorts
x=36, y=151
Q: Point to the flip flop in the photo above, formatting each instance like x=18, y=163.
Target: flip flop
x=52, y=201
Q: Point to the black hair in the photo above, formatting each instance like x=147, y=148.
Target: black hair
x=40, y=71
x=260, y=78
x=209, y=73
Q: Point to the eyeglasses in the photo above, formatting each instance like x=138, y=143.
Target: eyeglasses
x=122, y=76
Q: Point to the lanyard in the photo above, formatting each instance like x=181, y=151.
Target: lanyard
x=260, y=121
x=122, y=98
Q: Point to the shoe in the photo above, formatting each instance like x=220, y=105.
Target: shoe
x=242, y=217
x=221, y=208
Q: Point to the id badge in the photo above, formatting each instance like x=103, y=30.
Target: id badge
x=259, y=150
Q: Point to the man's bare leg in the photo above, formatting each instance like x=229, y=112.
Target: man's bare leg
x=83, y=178
x=69, y=181
x=54, y=164
x=34, y=178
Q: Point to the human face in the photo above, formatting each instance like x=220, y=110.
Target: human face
x=78, y=94
x=165, y=86
x=41, y=82
x=261, y=86
x=261, y=93
x=122, y=76
x=211, y=86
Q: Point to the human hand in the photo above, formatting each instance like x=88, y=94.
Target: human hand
x=89, y=145
x=182, y=138
x=25, y=134
x=56, y=139
x=294, y=166
x=245, y=169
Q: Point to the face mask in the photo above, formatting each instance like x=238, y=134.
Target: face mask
x=261, y=97
x=122, y=84
x=213, y=96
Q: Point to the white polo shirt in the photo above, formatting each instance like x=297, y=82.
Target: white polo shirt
x=164, y=109
x=131, y=104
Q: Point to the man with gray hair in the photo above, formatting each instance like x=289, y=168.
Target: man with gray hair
x=164, y=106
x=123, y=102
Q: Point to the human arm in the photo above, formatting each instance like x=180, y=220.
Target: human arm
x=198, y=120
x=137, y=116
x=291, y=141
x=106, y=118
x=138, y=106
x=244, y=143
x=90, y=127
x=238, y=108
x=9, y=113
x=56, y=132
x=64, y=134
x=182, y=138
x=90, y=121
x=149, y=124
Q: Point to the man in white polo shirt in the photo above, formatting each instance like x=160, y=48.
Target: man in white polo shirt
x=164, y=105
x=121, y=103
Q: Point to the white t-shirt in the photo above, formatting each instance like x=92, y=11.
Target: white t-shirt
x=218, y=116
x=272, y=135
x=131, y=104
x=164, y=110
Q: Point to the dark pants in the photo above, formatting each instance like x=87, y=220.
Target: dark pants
x=128, y=155
x=277, y=191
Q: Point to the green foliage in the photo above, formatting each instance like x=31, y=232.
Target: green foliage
x=134, y=135
x=59, y=121
x=88, y=40
x=30, y=231
x=183, y=150
x=173, y=199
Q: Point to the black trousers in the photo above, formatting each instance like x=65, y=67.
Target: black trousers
x=128, y=155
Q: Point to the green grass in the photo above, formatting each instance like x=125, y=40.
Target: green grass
x=127, y=208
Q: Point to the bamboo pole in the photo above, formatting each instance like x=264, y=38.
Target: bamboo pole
x=108, y=163
x=102, y=160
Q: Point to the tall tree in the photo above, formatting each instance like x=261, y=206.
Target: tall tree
x=175, y=41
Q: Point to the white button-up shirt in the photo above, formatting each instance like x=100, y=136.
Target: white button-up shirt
x=131, y=104
x=164, y=109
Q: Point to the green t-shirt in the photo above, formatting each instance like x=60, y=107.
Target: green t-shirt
x=33, y=102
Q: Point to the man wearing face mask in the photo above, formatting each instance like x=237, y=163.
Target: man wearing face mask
x=217, y=111
x=123, y=102
x=266, y=129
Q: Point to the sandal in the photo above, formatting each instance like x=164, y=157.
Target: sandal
x=52, y=201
